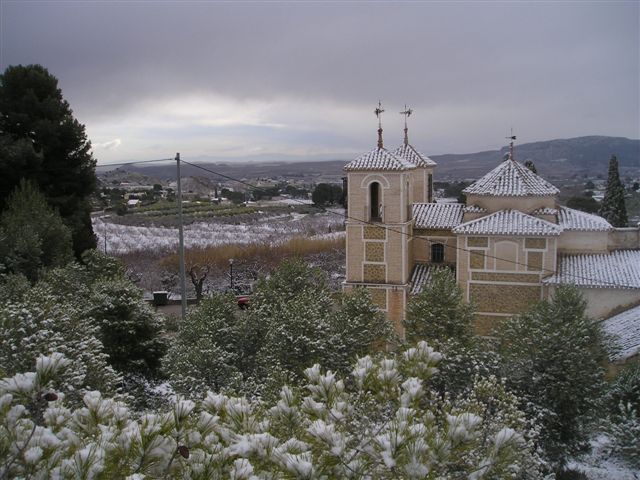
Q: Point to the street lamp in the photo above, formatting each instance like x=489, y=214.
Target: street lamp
x=231, y=272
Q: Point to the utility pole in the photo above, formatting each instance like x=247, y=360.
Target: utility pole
x=183, y=285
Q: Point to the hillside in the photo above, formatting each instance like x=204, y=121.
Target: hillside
x=554, y=159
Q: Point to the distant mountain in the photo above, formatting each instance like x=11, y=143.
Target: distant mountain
x=554, y=159
x=560, y=158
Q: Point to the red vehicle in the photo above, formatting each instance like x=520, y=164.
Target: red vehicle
x=242, y=292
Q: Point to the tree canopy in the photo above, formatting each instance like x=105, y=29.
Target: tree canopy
x=41, y=140
x=613, y=207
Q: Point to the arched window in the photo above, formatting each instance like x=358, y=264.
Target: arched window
x=375, y=202
x=437, y=253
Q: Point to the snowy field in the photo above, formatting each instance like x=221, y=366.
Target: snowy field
x=123, y=239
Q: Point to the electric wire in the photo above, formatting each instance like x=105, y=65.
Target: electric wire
x=415, y=237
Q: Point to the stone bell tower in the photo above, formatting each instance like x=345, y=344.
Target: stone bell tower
x=380, y=193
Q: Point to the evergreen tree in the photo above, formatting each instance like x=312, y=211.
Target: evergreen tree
x=531, y=166
x=439, y=312
x=613, y=207
x=553, y=358
x=32, y=234
x=42, y=141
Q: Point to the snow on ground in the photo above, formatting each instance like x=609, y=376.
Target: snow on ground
x=598, y=465
x=122, y=239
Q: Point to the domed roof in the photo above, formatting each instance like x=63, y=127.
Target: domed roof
x=511, y=179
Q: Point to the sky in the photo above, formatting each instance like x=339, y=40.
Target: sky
x=301, y=80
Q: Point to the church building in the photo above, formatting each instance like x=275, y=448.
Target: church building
x=511, y=244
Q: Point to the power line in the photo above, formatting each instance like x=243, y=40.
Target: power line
x=391, y=229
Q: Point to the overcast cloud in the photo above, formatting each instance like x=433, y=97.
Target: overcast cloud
x=236, y=79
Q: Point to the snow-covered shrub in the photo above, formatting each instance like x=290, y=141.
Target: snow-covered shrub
x=625, y=433
x=207, y=352
x=381, y=422
x=44, y=321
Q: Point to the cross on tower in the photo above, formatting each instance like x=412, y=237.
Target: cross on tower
x=407, y=113
x=378, y=111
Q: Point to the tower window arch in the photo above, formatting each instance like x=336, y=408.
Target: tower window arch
x=375, y=202
x=437, y=253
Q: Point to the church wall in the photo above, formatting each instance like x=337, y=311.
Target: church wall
x=605, y=302
x=421, y=247
x=583, y=242
x=624, y=238
x=501, y=275
x=420, y=185
x=524, y=204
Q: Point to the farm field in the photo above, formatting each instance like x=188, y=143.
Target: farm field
x=257, y=242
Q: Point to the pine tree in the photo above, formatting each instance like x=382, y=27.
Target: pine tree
x=41, y=140
x=553, y=358
x=439, y=312
x=613, y=207
x=32, y=234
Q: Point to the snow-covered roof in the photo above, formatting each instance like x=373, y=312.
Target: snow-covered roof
x=625, y=329
x=511, y=179
x=618, y=269
x=379, y=159
x=437, y=215
x=545, y=211
x=508, y=222
x=409, y=153
x=570, y=219
x=474, y=209
x=421, y=276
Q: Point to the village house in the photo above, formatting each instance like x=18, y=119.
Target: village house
x=511, y=244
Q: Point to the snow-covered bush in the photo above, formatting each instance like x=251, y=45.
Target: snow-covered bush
x=91, y=314
x=292, y=323
x=381, y=422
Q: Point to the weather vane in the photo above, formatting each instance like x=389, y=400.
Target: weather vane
x=512, y=138
x=378, y=111
x=407, y=113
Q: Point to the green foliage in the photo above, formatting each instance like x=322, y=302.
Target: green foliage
x=531, y=166
x=44, y=320
x=326, y=194
x=292, y=323
x=613, y=207
x=380, y=422
x=130, y=331
x=32, y=234
x=553, y=358
x=44, y=142
x=439, y=312
x=625, y=433
x=207, y=352
x=89, y=312
x=585, y=203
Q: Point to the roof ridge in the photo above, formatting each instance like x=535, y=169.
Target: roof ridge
x=379, y=159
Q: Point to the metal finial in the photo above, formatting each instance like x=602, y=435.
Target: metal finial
x=378, y=111
x=407, y=113
x=512, y=137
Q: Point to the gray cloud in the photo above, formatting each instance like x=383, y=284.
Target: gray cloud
x=470, y=70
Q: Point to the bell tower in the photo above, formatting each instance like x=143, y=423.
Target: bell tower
x=379, y=226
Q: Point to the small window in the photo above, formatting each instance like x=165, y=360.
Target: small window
x=430, y=188
x=375, y=204
x=437, y=253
